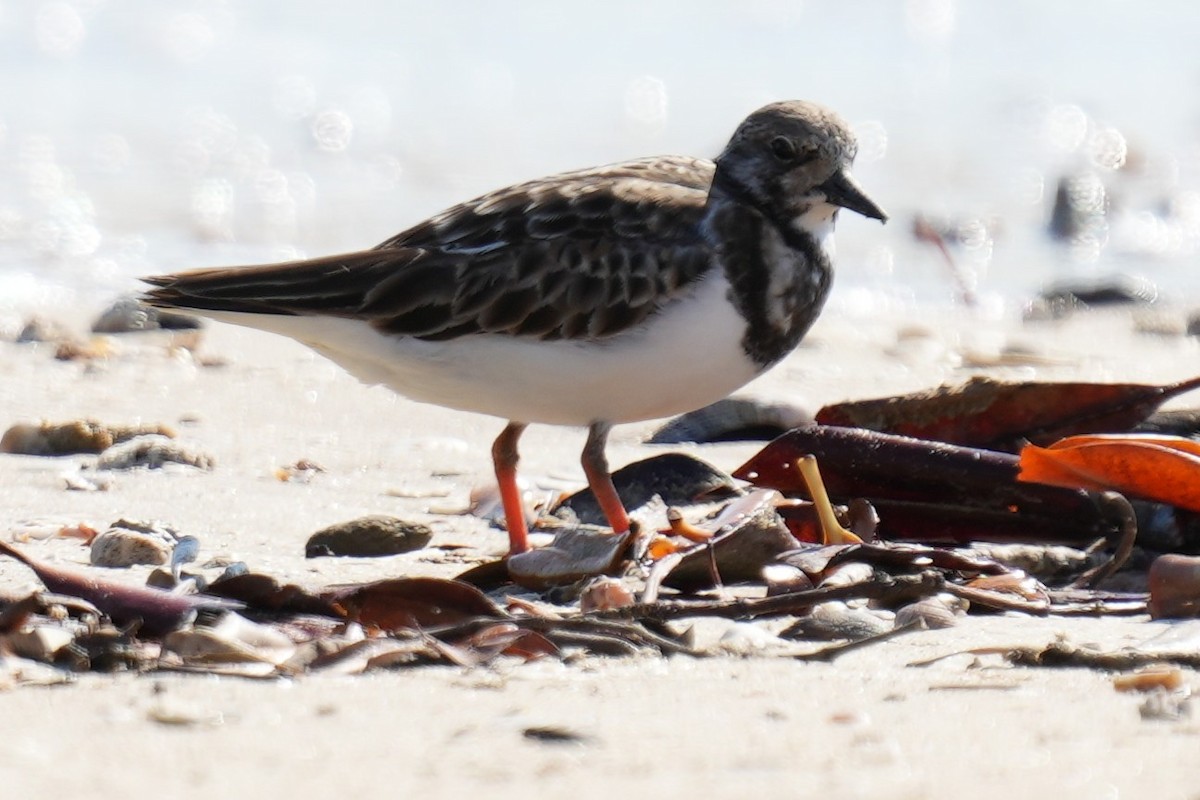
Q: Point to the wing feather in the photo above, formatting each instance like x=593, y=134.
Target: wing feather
x=583, y=254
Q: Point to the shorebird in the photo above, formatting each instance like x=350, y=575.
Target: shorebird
x=607, y=295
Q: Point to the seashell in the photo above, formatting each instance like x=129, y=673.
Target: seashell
x=575, y=554
x=233, y=639
x=835, y=620
x=373, y=535
x=733, y=419
x=748, y=534
x=848, y=574
x=932, y=613
x=604, y=594
x=748, y=639
x=40, y=643
x=130, y=315
x=673, y=479
x=87, y=482
x=784, y=579
x=128, y=543
x=153, y=451
x=123, y=548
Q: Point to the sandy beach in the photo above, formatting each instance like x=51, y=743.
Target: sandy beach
x=867, y=725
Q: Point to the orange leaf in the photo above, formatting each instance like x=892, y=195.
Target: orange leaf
x=1164, y=469
x=1162, y=440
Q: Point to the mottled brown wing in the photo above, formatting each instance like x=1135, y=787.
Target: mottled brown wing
x=584, y=254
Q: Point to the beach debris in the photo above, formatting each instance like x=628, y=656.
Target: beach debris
x=835, y=620
x=369, y=536
x=1002, y=416
x=1061, y=299
x=412, y=603
x=73, y=437
x=130, y=315
x=129, y=542
x=556, y=735
x=743, y=537
x=1047, y=563
x=1166, y=706
x=1174, y=586
x=153, y=451
x=931, y=492
x=40, y=642
x=95, y=348
x=604, y=594
x=39, y=330
x=302, y=471
x=734, y=419
x=1165, y=469
x=576, y=553
x=81, y=481
x=1163, y=677
x=230, y=638
x=673, y=479
x=35, y=531
x=266, y=594
x=154, y=610
x=931, y=613
x=16, y=671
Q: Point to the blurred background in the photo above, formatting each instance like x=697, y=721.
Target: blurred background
x=153, y=135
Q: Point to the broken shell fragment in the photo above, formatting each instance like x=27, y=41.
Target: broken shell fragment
x=576, y=553
x=40, y=643
x=932, y=613
x=1164, y=677
x=605, y=594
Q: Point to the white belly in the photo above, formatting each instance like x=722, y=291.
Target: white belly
x=688, y=356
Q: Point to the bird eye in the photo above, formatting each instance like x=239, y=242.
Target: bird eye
x=783, y=148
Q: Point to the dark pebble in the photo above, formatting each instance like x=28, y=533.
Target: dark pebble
x=374, y=535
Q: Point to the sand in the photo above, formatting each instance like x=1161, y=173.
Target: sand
x=868, y=725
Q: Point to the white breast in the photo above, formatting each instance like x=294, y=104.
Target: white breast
x=685, y=357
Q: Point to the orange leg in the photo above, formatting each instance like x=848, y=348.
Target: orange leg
x=595, y=466
x=504, y=456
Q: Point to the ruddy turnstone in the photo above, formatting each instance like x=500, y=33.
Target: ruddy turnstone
x=614, y=294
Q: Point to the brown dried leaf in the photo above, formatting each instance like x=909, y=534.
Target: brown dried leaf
x=412, y=603
x=999, y=416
